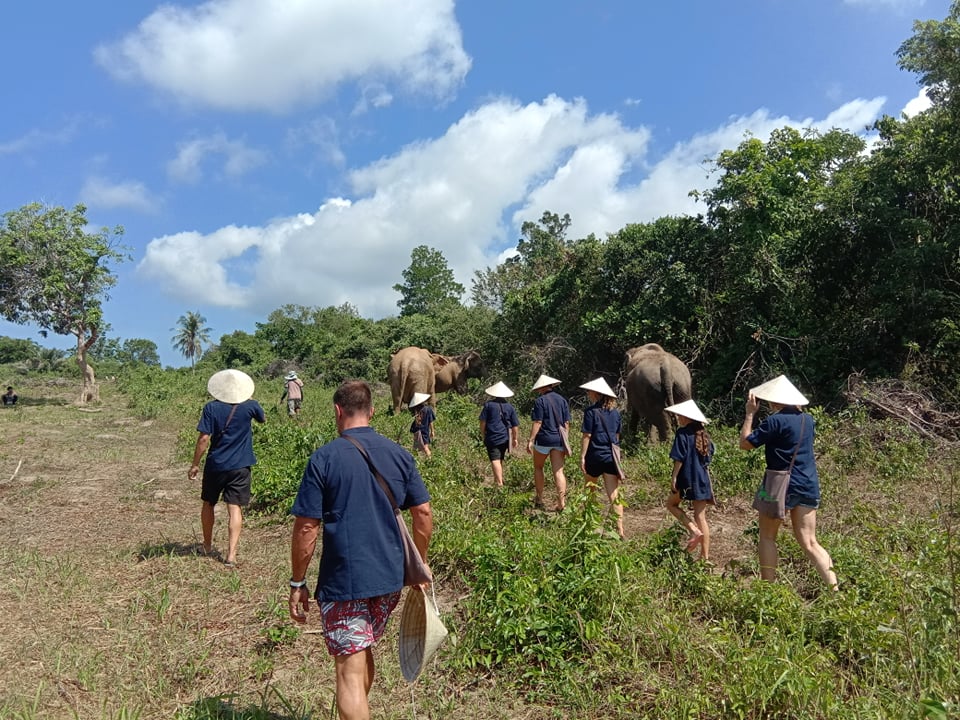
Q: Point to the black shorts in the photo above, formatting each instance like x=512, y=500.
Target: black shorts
x=232, y=485
x=596, y=468
x=498, y=452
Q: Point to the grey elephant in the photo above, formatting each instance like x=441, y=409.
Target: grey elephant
x=654, y=379
x=414, y=369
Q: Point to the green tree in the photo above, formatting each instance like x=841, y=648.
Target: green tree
x=140, y=351
x=191, y=336
x=428, y=283
x=56, y=274
x=933, y=53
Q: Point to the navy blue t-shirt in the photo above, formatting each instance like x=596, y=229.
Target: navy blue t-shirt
x=499, y=416
x=552, y=411
x=361, y=555
x=427, y=417
x=778, y=433
x=693, y=480
x=598, y=450
x=234, y=448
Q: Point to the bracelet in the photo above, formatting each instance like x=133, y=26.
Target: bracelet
x=298, y=584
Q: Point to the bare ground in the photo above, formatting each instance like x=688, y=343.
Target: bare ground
x=106, y=606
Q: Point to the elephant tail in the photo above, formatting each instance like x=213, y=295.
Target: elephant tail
x=666, y=383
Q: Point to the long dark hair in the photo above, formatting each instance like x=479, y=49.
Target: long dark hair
x=701, y=438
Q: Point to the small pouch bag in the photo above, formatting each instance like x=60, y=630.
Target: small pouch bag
x=770, y=498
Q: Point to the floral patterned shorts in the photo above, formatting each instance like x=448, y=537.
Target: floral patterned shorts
x=350, y=626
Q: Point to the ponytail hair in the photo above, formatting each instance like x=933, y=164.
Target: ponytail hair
x=702, y=440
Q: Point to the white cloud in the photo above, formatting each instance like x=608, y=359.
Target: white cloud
x=322, y=135
x=918, y=104
x=37, y=138
x=273, y=56
x=237, y=158
x=98, y=192
x=459, y=193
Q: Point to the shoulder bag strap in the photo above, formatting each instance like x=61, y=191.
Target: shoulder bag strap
x=553, y=410
x=376, y=473
x=606, y=428
x=219, y=437
x=803, y=419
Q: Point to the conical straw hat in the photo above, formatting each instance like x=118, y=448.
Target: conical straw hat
x=418, y=399
x=500, y=390
x=689, y=409
x=599, y=386
x=544, y=381
x=230, y=386
x=421, y=632
x=780, y=391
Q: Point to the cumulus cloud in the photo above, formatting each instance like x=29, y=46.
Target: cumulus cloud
x=918, y=104
x=236, y=158
x=98, y=192
x=464, y=193
x=273, y=56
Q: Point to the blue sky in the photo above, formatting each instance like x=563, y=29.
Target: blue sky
x=265, y=152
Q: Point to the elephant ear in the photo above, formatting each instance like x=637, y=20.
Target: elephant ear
x=439, y=360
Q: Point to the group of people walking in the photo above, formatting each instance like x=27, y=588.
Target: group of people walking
x=361, y=565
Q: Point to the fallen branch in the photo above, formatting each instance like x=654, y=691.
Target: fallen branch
x=16, y=471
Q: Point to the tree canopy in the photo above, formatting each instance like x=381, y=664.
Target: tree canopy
x=428, y=283
x=56, y=274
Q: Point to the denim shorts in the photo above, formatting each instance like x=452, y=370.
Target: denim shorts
x=799, y=499
x=545, y=449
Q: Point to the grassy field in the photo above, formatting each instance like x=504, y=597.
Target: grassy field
x=107, y=610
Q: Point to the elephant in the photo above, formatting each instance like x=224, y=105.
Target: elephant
x=414, y=369
x=655, y=380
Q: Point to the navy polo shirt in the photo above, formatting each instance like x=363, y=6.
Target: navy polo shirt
x=234, y=448
x=778, y=434
x=362, y=555
x=499, y=417
x=552, y=411
x=599, y=448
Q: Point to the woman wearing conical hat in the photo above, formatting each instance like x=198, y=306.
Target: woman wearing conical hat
x=601, y=438
x=549, y=438
x=692, y=451
x=787, y=438
x=499, y=427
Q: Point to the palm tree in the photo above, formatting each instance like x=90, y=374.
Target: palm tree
x=191, y=336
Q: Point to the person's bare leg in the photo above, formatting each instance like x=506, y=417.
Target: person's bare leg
x=804, y=521
x=539, y=459
x=700, y=518
x=556, y=464
x=611, y=483
x=497, y=466
x=767, y=546
x=206, y=525
x=236, y=524
x=673, y=507
x=354, y=679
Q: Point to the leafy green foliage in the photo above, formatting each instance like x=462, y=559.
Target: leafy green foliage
x=428, y=283
x=192, y=334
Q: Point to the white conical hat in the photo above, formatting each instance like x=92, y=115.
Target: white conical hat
x=780, y=391
x=544, y=381
x=500, y=390
x=418, y=399
x=230, y=386
x=689, y=409
x=599, y=386
x=421, y=633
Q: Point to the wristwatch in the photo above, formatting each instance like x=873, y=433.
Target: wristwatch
x=298, y=583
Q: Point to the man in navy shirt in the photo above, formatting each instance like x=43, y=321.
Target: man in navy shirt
x=361, y=561
x=225, y=430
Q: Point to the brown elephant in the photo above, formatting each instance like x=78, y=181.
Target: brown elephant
x=655, y=379
x=414, y=369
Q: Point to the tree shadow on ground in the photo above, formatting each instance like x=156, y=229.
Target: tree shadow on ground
x=173, y=549
x=221, y=707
